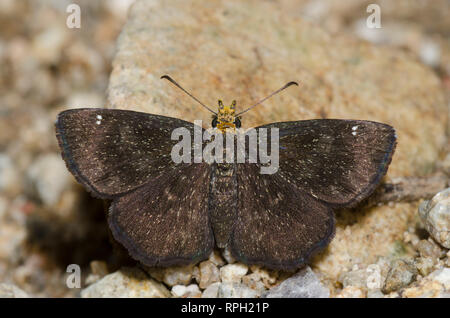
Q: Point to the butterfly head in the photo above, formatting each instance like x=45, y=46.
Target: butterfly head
x=226, y=119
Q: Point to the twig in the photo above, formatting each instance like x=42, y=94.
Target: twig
x=408, y=189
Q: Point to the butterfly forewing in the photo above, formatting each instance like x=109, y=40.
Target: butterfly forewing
x=112, y=152
x=336, y=161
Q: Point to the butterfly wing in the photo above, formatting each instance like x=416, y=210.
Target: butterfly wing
x=166, y=221
x=159, y=209
x=283, y=218
x=339, y=162
x=277, y=225
x=111, y=152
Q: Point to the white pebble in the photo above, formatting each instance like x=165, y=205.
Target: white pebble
x=233, y=272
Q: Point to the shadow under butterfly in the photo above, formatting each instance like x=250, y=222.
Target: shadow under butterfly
x=168, y=214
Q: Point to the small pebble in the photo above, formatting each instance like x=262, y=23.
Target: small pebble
x=436, y=216
x=303, y=284
x=209, y=274
x=374, y=293
x=400, y=275
x=171, y=276
x=424, y=265
x=427, y=248
x=233, y=272
x=269, y=278
x=186, y=291
x=355, y=277
x=351, y=292
x=253, y=281
x=435, y=285
x=235, y=290
x=211, y=291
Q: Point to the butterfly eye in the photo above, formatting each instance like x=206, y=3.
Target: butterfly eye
x=237, y=123
x=214, y=122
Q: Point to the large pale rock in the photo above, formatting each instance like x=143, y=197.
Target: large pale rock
x=246, y=49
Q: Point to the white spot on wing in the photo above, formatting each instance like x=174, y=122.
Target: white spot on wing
x=99, y=119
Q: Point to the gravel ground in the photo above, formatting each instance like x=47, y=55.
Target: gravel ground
x=48, y=221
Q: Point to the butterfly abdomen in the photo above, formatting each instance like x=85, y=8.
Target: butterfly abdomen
x=222, y=201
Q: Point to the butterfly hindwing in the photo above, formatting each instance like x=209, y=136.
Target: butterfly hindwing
x=166, y=222
x=277, y=225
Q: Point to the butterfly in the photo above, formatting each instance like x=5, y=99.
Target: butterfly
x=166, y=213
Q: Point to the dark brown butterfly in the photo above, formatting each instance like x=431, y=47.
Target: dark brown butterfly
x=171, y=214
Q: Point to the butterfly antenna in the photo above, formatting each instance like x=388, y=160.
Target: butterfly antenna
x=167, y=77
x=274, y=93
